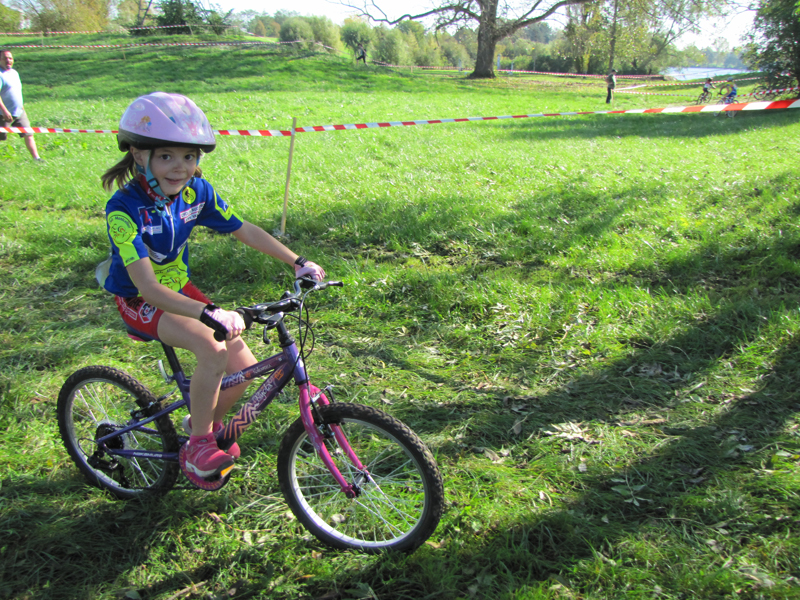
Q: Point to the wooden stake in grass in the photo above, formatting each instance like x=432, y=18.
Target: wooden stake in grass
x=288, y=176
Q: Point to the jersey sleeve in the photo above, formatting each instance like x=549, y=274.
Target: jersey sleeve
x=124, y=235
x=216, y=213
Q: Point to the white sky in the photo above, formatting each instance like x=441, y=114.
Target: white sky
x=732, y=29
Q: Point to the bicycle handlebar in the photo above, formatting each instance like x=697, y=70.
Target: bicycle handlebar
x=288, y=303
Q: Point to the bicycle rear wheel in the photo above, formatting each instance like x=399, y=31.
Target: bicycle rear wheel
x=96, y=401
x=400, y=501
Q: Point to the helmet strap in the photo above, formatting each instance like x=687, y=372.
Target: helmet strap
x=154, y=193
x=150, y=186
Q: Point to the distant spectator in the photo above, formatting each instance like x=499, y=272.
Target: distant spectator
x=361, y=54
x=611, y=83
x=11, y=110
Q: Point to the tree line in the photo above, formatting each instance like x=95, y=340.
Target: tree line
x=633, y=36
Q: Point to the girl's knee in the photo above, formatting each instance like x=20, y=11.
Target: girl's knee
x=212, y=353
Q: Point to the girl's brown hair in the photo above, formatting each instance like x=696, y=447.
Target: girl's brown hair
x=125, y=170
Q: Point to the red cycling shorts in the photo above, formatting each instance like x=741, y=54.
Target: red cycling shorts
x=143, y=317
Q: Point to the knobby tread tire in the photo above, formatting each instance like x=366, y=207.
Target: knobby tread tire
x=81, y=411
x=343, y=528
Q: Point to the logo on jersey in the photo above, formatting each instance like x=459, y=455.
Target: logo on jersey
x=191, y=213
x=121, y=228
x=189, y=195
x=148, y=222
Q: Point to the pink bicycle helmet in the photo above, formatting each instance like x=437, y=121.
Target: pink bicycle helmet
x=160, y=119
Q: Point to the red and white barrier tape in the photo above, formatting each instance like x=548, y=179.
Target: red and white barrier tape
x=450, y=68
x=574, y=74
x=696, y=83
x=383, y=64
x=163, y=44
x=154, y=44
x=780, y=91
x=31, y=33
x=654, y=94
x=747, y=106
x=2, y=33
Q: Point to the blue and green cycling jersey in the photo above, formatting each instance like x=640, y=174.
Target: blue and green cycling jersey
x=136, y=230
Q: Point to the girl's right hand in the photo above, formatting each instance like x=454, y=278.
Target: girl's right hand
x=229, y=319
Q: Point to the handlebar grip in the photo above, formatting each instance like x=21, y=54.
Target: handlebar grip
x=220, y=333
x=248, y=320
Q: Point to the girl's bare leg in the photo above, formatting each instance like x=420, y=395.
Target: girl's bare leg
x=239, y=357
x=212, y=359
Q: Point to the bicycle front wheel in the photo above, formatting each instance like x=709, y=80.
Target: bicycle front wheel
x=401, y=495
x=93, y=403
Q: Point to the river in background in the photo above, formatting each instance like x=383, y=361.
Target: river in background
x=700, y=72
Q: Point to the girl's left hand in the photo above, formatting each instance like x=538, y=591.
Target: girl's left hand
x=310, y=269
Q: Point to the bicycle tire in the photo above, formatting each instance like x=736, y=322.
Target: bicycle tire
x=397, y=510
x=92, y=402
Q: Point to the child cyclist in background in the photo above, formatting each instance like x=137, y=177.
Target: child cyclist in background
x=161, y=198
x=731, y=89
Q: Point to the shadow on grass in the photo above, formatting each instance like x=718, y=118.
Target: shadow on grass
x=72, y=544
x=696, y=488
x=49, y=530
x=704, y=489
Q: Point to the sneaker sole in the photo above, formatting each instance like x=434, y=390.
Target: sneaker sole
x=221, y=470
x=204, y=484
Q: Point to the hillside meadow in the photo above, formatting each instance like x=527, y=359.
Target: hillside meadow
x=591, y=320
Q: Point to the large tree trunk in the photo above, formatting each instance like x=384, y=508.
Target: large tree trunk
x=487, y=42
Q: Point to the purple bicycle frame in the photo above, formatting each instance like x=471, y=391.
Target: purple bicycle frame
x=281, y=369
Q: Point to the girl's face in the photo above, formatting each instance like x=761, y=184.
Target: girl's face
x=172, y=167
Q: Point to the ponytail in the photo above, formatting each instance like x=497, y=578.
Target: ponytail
x=120, y=173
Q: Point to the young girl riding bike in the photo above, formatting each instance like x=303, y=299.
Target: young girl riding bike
x=161, y=198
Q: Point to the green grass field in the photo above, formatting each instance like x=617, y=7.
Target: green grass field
x=592, y=321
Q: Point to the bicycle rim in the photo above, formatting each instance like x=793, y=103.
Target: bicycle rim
x=400, y=502
x=97, y=401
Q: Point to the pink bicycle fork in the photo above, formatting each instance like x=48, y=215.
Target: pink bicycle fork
x=309, y=396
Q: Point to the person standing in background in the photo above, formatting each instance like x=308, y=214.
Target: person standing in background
x=11, y=109
x=611, y=83
x=361, y=54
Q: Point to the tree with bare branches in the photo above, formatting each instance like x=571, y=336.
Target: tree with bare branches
x=496, y=20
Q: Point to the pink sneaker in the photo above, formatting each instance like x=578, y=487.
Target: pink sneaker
x=234, y=450
x=205, y=459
